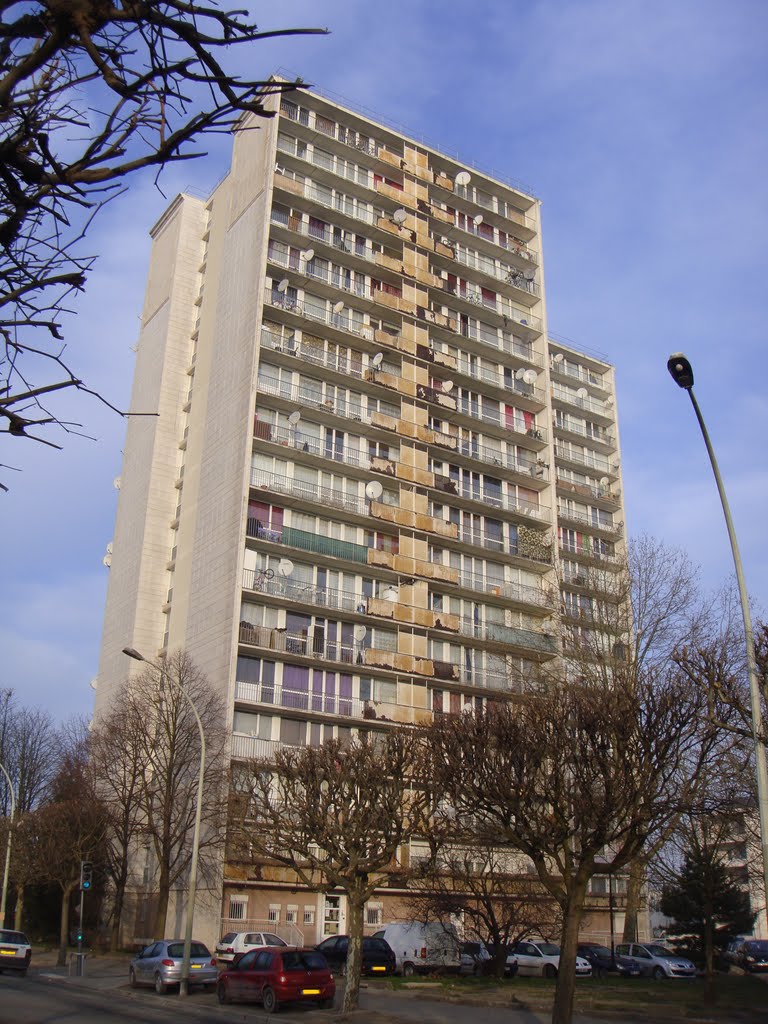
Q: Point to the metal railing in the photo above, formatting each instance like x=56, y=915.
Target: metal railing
x=592, y=461
x=589, y=404
x=512, y=636
x=351, y=248
x=507, y=502
x=295, y=438
x=587, y=551
x=579, y=373
x=309, y=492
x=318, y=313
x=297, y=393
x=331, y=276
x=299, y=700
x=580, y=428
x=585, y=519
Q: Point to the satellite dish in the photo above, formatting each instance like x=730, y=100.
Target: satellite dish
x=582, y=393
x=107, y=560
x=447, y=386
x=519, y=374
x=117, y=483
x=338, y=306
x=463, y=178
x=530, y=376
x=374, y=490
x=400, y=216
x=378, y=359
x=308, y=254
x=283, y=286
x=359, y=632
x=477, y=220
x=604, y=480
x=391, y=594
x=294, y=418
x=94, y=684
x=559, y=357
x=285, y=567
x=110, y=548
x=609, y=401
x=529, y=275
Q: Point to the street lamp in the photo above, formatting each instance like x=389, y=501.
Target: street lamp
x=185, y=964
x=682, y=374
x=7, y=847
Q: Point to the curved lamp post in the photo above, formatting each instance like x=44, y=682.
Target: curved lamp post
x=7, y=867
x=131, y=652
x=682, y=374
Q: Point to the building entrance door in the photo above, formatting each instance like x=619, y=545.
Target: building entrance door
x=334, y=915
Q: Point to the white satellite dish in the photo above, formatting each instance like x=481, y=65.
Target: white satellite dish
x=609, y=401
x=400, y=216
x=107, y=560
x=110, y=548
x=463, y=178
x=477, y=220
x=378, y=359
x=519, y=374
x=308, y=254
x=117, y=483
x=359, y=632
x=391, y=594
x=604, y=480
x=582, y=393
x=94, y=684
x=374, y=490
x=285, y=567
x=558, y=357
x=294, y=418
x=283, y=286
x=529, y=275
x=447, y=386
x=530, y=376
x=338, y=306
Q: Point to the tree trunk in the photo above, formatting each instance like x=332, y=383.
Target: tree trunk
x=634, y=885
x=161, y=911
x=64, y=925
x=354, y=955
x=19, y=908
x=709, y=953
x=562, y=1007
x=117, y=915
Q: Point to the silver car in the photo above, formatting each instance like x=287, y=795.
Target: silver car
x=657, y=961
x=159, y=965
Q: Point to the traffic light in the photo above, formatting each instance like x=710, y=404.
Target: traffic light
x=86, y=875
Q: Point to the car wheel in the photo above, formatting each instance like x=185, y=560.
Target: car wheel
x=222, y=994
x=160, y=987
x=132, y=979
x=658, y=974
x=269, y=1001
x=550, y=971
x=326, y=1004
x=408, y=970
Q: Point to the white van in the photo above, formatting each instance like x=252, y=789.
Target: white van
x=422, y=947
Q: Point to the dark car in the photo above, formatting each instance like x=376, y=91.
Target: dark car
x=604, y=963
x=510, y=967
x=377, y=959
x=276, y=976
x=15, y=951
x=752, y=955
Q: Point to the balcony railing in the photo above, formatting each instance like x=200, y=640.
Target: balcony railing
x=579, y=373
x=584, y=519
x=595, y=492
x=299, y=395
x=299, y=700
x=340, y=321
x=247, y=748
x=294, y=437
x=591, y=461
x=309, y=492
x=513, y=636
x=495, y=377
x=588, y=404
x=506, y=460
x=306, y=541
x=587, y=551
x=346, y=136
x=580, y=428
x=340, y=203
x=510, y=503
x=299, y=643
x=332, y=276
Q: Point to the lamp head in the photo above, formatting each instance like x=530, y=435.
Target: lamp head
x=133, y=653
x=681, y=370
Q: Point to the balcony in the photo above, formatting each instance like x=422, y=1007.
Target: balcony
x=494, y=377
x=303, y=540
x=592, y=492
x=298, y=700
x=509, y=503
x=471, y=294
x=508, y=636
x=253, y=748
x=586, y=403
x=340, y=204
x=589, y=460
x=297, y=395
x=299, y=592
x=300, y=644
x=585, y=550
x=580, y=428
x=526, y=467
x=293, y=437
x=330, y=129
x=589, y=522
x=354, y=247
x=341, y=321
x=581, y=374
x=346, y=363
x=311, y=493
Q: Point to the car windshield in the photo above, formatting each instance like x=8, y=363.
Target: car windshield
x=226, y=939
x=176, y=950
x=298, y=961
x=17, y=938
x=597, y=950
x=757, y=947
x=660, y=951
x=549, y=948
x=375, y=945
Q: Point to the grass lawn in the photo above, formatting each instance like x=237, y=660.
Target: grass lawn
x=738, y=998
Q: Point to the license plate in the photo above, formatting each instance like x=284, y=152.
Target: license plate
x=196, y=967
x=379, y=968
x=7, y=952
x=310, y=991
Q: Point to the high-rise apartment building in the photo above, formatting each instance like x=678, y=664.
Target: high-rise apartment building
x=374, y=489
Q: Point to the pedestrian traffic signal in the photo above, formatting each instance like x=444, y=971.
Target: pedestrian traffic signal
x=86, y=875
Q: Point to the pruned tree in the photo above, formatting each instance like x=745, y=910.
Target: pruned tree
x=337, y=816
x=494, y=891
x=576, y=779
x=91, y=93
x=158, y=726
x=29, y=750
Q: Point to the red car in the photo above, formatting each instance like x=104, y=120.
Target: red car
x=276, y=976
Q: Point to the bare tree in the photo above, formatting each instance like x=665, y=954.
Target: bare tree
x=29, y=750
x=337, y=816
x=164, y=731
x=90, y=93
x=576, y=779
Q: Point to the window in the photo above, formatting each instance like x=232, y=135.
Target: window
x=373, y=914
x=291, y=914
x=309, y=915
x=237, y=907
x=273, y=915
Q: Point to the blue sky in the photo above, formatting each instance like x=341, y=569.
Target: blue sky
x=640, y=125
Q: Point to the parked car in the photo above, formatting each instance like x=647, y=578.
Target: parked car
x=422, y=947
x=543, y=959
x=276, y=976
x=233, y=945
x=15, y=951
x=753, y=955
x=604, y=962
x=511, y=961
x=159, y=964
x=473, y=958
x=657, y=961
x=730, y=955
x=377, y=957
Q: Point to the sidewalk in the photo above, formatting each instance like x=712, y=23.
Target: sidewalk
x=102, y=970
